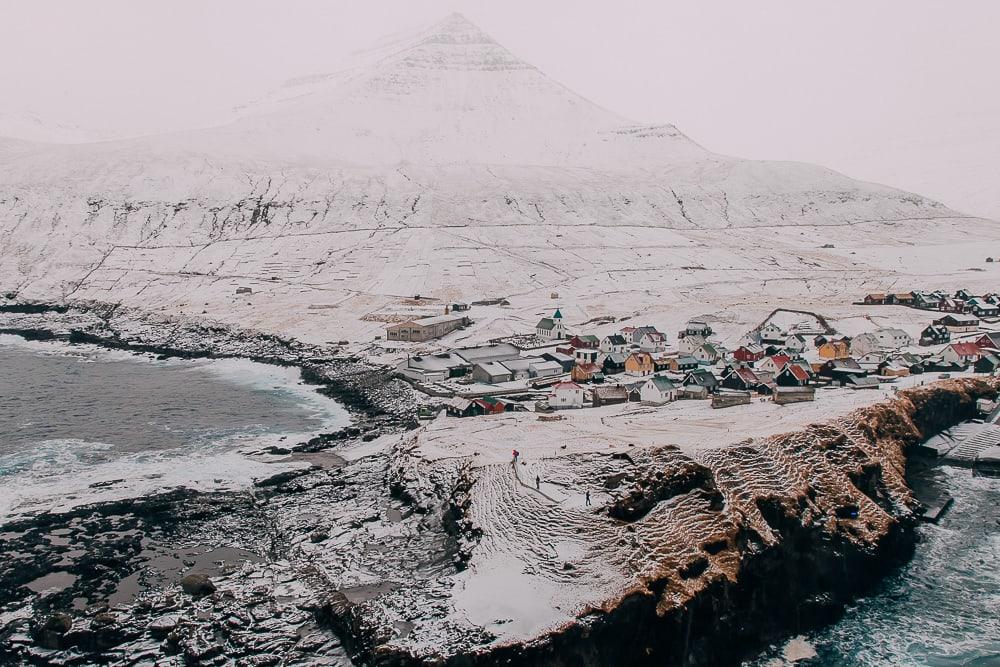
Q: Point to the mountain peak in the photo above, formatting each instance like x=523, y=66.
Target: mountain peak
x=455, y=42
x=457, y=29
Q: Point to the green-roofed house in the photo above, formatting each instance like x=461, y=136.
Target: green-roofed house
x=551, y=328
x=658, y=390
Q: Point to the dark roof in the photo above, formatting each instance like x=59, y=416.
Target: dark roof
x=615, y=339
x=845, y=364
x=610, y=391
x=702, y=377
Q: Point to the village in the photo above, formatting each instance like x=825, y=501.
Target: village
x=786, y=359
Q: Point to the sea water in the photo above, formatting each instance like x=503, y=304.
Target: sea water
x=81, y=424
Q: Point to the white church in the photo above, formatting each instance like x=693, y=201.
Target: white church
x=551, y=328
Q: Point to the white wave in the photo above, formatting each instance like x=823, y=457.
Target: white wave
x=58, y=475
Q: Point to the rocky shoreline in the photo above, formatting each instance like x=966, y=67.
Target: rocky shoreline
x=98, y=547
x=353, y=559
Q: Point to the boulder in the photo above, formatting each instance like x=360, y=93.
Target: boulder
x=162, y=626
x=51, y=633
x=197, y=585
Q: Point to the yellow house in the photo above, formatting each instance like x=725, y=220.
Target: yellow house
x=584, y=372
x=834, y=349
x=639, y=363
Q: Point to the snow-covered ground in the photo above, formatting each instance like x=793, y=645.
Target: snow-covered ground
x=691, y=425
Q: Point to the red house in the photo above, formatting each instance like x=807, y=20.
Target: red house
x=989, y=341
x=585, y=342
x=748, y=353
x=487, y=405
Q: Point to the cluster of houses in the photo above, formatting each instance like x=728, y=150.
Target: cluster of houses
x=962, y=301
x=634, y=363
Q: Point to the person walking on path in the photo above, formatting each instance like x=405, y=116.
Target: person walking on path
x=516, y=454
x=538, y=483
x=588, y=498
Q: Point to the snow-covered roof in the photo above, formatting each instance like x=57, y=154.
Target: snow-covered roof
x=433, y=362
x=499, y=351
x=436, y=319
x=519, y=364
x=494, y=368
x=960, y=318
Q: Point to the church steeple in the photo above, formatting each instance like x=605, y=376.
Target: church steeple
x=558, y=316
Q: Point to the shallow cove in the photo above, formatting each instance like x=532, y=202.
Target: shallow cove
x=81, y=424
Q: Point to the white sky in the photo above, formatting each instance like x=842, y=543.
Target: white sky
x=904, y=92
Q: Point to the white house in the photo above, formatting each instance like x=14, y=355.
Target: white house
x=772, y=364
x=551, y=328
x=639, y=332
x=961, y=353
x=864, y=343
x=891, y=339
x=881, y=340
x=614, y=344
x=706, y=354
x=653, y=341
x=566, y=395
x=796, y=343
x=585, y=355
x=772, y=334
x=871, y=358
x=658, y=390
x=689, y=344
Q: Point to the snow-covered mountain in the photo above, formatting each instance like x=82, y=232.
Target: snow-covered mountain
x=440, y=164
x=27, y=126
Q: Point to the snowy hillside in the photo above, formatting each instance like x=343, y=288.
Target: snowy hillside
x=440, y=164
